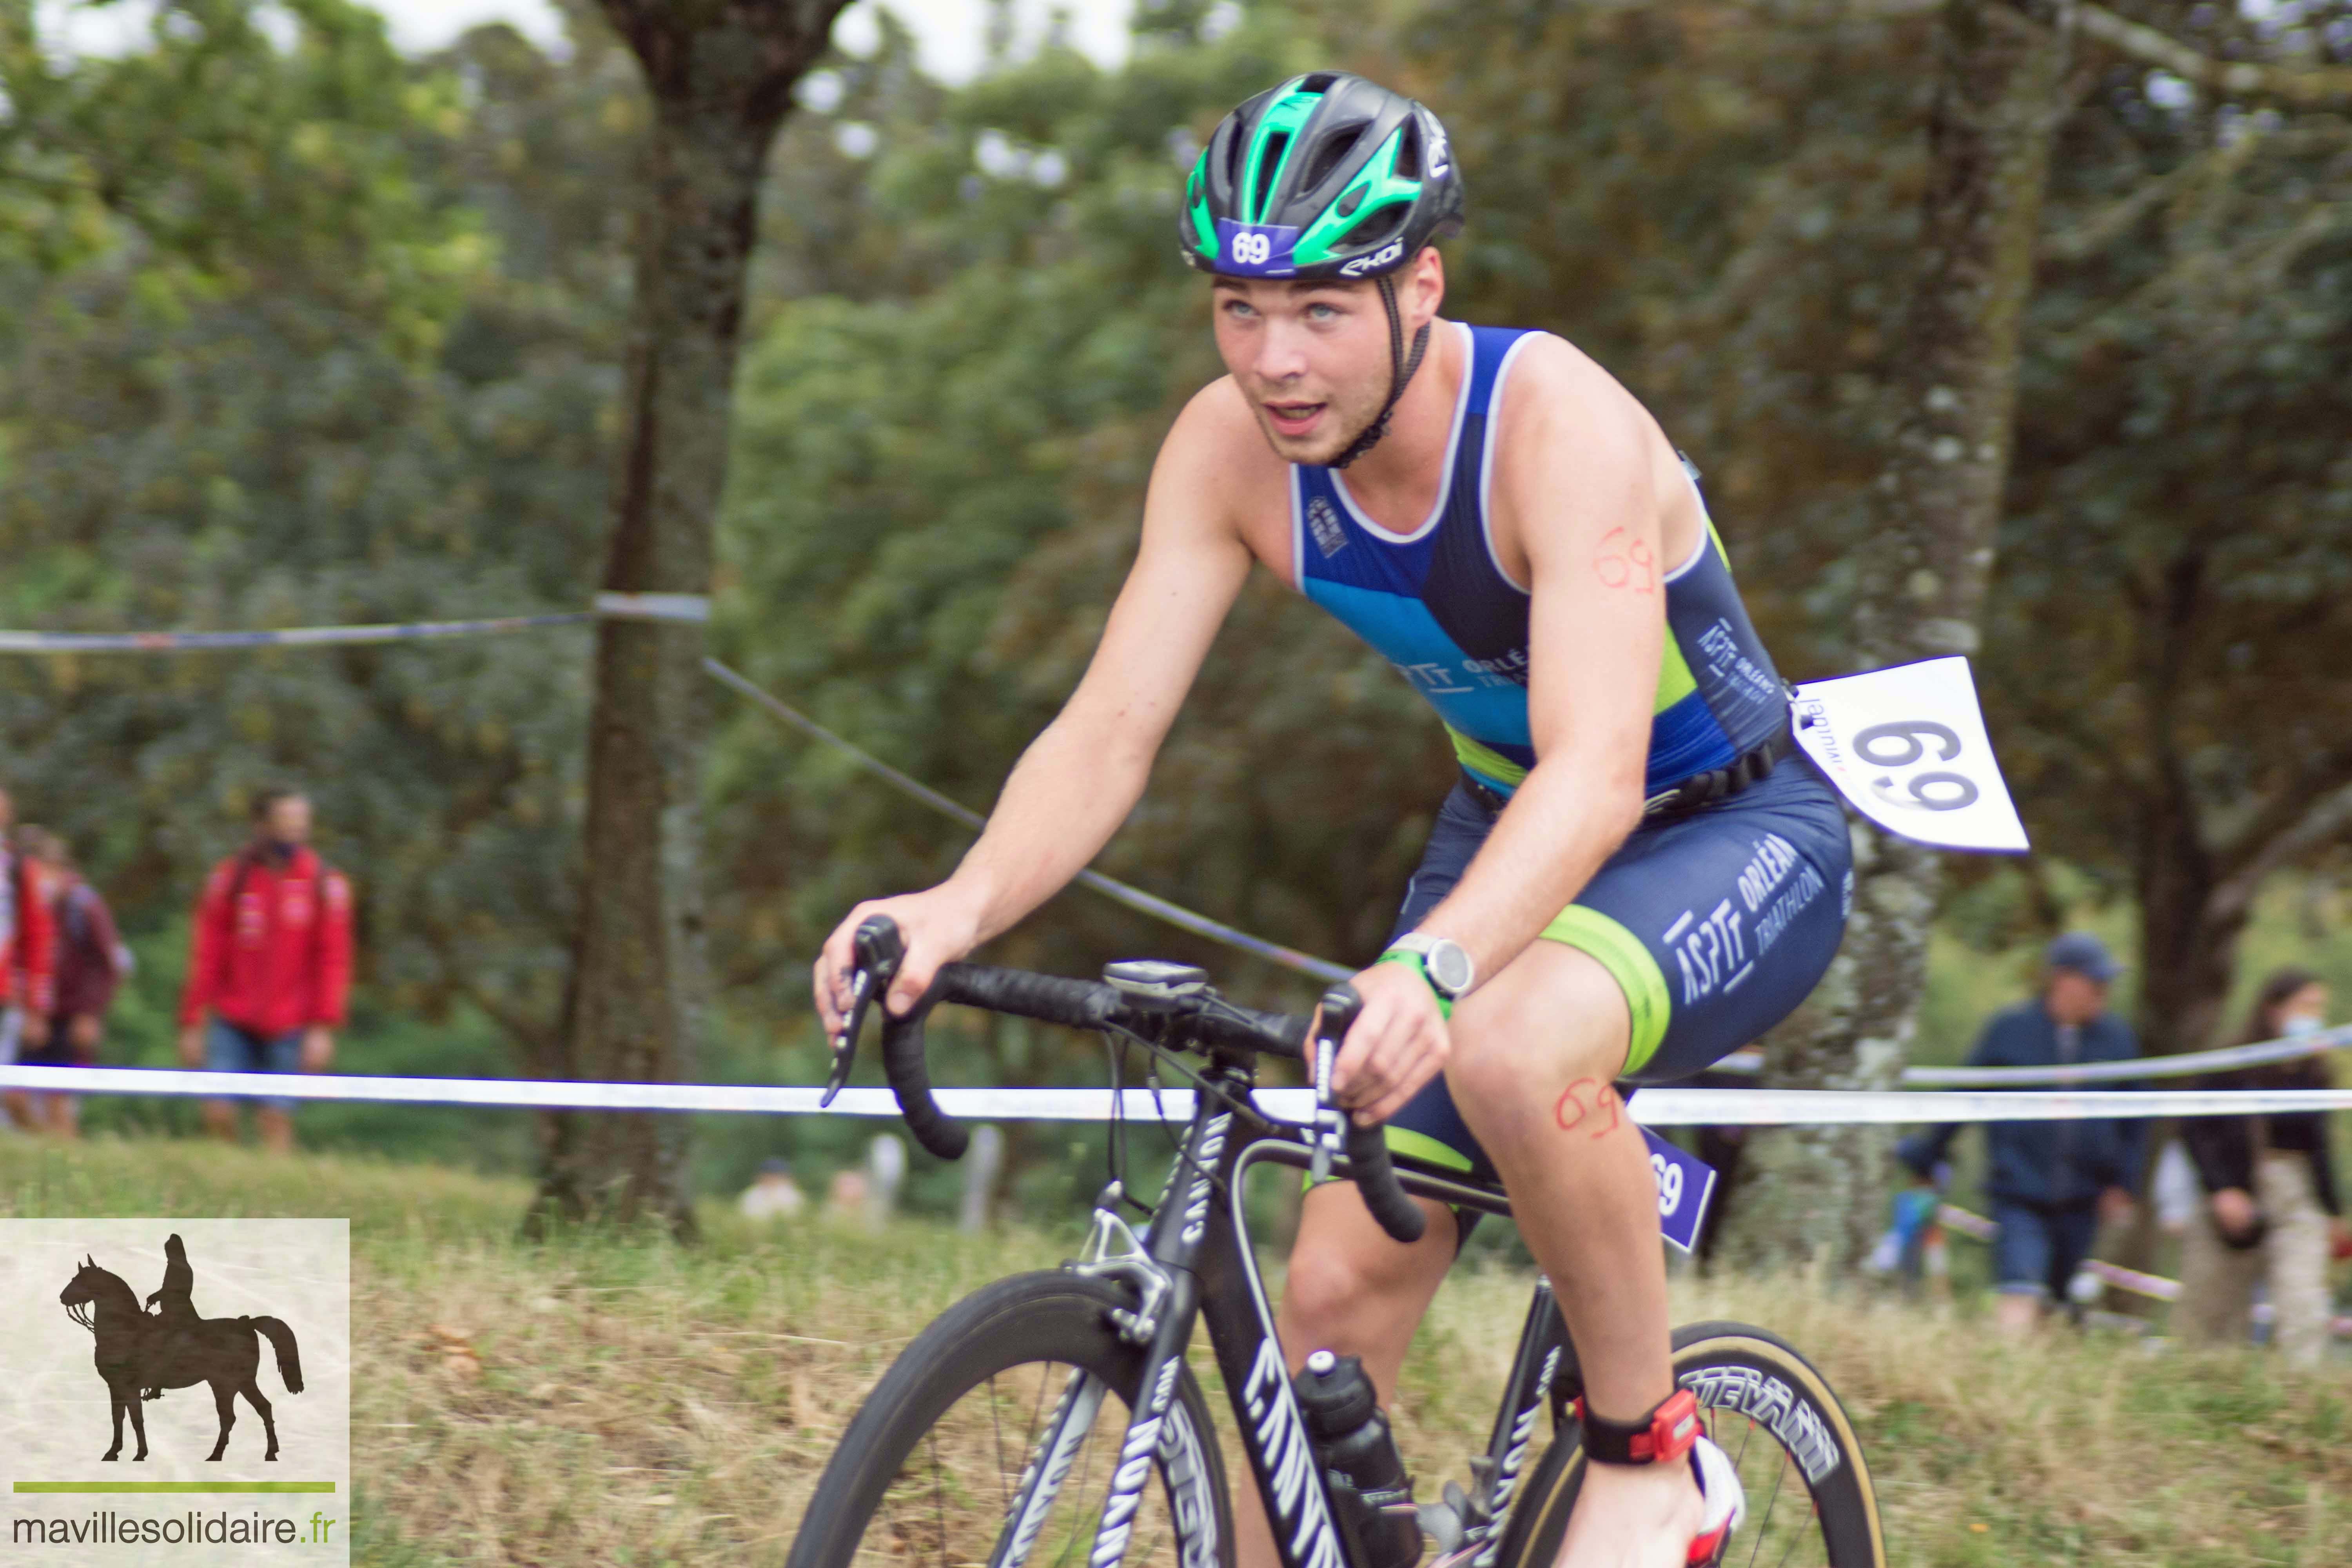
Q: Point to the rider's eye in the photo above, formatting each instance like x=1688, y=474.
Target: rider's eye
x=1318, y=311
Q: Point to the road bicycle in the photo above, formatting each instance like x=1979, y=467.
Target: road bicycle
x=1053, y=1418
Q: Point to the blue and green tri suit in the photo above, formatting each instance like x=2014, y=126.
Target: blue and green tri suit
x=1715, y=922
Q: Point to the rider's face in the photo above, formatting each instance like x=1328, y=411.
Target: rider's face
x=1313, y=358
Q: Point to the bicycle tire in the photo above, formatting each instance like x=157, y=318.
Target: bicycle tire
x=1741, y=1373
x=1057, y=1318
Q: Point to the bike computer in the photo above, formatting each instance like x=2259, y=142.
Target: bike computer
x=1155, y=977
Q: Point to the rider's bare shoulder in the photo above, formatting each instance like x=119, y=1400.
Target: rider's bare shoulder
x=1569, y=428
x=1217, y=442
x=1217, y=471
x=1557, y=393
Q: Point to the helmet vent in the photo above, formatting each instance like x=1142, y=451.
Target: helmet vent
x=1408, y=160
x=1269, y=161
x=1382, y=223
x=1317, y=81
x=1351, y=201
x=1329, y=154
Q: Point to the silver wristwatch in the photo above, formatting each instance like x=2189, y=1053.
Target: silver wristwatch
x=1446, y=966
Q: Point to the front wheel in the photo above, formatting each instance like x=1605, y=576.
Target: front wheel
x=995, y=1436
x=1809, y=1503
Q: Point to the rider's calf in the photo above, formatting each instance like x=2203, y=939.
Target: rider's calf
x=1353, y=1289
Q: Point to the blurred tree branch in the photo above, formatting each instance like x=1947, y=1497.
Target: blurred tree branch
x=2309, y=87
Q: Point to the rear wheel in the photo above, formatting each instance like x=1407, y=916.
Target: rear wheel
x=1809, y=1503
x=994, y=1439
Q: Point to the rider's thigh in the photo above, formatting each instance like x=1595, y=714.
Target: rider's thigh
x=1355, y=1289
x=1553, y=1015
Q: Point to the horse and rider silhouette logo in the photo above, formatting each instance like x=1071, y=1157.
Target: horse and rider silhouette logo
x=142, y=1352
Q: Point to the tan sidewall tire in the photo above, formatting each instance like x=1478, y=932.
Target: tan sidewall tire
x=1848, y=1504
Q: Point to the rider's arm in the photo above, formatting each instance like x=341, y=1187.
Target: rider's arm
x=1079, y=780
x=1573, y=473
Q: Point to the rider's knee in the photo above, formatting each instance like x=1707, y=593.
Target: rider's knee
x=1535, y=1027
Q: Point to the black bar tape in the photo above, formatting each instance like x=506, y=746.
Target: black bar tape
x=1367, y=1150
x=1224, y=1023
x=1375, y=1177
x=1048, y=999
x=910, y=1080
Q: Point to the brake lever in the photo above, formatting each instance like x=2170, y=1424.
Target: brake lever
x=1341, y=1006
x=880, y=949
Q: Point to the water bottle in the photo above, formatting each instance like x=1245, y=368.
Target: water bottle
x=1370, y=1493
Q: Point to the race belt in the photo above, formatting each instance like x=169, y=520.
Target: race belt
x=1695, y=793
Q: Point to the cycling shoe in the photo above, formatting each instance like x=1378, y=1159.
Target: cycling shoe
x=1726, y=1504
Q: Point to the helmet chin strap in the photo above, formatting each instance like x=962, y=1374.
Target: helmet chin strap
x=1400, y=368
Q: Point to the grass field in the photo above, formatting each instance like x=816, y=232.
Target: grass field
x=615, y=1402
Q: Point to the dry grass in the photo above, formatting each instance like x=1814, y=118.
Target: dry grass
x=614, y=1402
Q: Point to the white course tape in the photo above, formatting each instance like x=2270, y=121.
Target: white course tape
x=1653, y=1106
x=692, y=609
x=287, y=637
x=2145, y=1067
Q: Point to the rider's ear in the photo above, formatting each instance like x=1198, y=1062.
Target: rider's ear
x=1428, y=284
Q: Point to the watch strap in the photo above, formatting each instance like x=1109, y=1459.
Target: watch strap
x=1420, y=966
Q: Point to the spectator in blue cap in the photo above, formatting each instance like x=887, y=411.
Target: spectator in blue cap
x=2051, y=1183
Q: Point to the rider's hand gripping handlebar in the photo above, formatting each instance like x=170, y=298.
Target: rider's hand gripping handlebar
x=880, y=951
x=1091, y=1005
x=1336, y=1131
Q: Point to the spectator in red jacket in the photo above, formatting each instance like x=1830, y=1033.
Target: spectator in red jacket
x=91, y=962
x=28, y=955
x=269, y=967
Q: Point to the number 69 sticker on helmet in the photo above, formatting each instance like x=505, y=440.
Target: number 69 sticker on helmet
x=1907, y=746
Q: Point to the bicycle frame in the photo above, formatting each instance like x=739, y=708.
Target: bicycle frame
x=1195, y=1260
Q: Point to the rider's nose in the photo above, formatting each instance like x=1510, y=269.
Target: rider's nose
x=1280, y=357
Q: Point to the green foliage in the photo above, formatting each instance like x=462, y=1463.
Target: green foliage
x=324, y=398
x=231, y=166
x=2176, y=562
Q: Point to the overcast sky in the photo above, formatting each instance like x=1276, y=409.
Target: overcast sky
x=949, y=31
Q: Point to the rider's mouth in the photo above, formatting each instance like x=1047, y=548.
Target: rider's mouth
x=1293, y=418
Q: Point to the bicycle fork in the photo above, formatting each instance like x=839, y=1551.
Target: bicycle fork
x=1160, y=1433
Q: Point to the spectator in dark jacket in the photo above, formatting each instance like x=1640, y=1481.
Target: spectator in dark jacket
x=2051, y=1183
x=2270, y=1208
x=91, y=962
x=270, y=966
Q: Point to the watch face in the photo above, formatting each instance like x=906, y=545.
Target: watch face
x=1449, y=966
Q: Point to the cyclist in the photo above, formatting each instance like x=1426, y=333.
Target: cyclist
x=1634, y=876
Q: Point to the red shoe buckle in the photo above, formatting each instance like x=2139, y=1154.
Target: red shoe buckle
x=1664, y=1434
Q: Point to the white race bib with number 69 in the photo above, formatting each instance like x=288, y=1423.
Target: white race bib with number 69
x=1909, y=747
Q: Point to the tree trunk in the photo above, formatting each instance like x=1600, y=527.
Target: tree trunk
x=720, y=74
x=1816, y=1192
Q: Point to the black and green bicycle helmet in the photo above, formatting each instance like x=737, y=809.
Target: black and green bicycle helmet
x=1327, y=176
